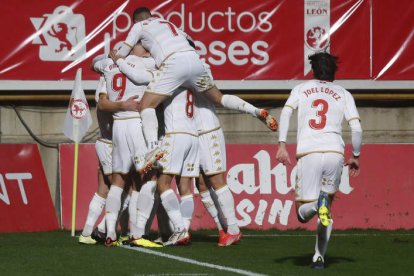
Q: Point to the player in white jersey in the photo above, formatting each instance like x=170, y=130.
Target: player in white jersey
x=179, y=65
x=129, y=147
x=180, y=148
x=213, y=167
x=103, y=146
x=322, y=106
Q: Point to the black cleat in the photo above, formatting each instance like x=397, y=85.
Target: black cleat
x=98, y=236
x=319, y=264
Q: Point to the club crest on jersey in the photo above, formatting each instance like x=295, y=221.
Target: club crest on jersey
x=60, y=35
x=78, y=108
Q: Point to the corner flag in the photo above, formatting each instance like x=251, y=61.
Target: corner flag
x=77, y=121
x=78, y=117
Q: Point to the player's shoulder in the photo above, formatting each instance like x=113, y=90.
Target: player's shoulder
x=104, y=63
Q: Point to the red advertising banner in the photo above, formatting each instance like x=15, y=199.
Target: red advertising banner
x=380, y=197
x=239, y=39
x=25, y=202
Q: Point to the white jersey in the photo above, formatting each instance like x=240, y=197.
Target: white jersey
x=322, y=107
x=179, y=116
x=205, y=114
x=121, y=88
x=159, y=36
x=105, y=120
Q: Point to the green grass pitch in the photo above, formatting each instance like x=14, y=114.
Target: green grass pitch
x=273, y=252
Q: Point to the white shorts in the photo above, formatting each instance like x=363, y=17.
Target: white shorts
x=195, y=75
x=129, y=145
x=212, y=152
x=103, y=149
x=181, y=155
x=318, y=172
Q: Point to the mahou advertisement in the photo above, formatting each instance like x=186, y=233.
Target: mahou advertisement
x=264, y=190
x=241, y=40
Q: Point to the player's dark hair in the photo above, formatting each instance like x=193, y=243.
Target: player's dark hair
x=139, y=12
x=323, y=66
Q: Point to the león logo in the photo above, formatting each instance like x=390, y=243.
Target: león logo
x=60, y=35
x=317, y=38
x=78, y=108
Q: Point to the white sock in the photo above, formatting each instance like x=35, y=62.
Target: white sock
x=236, y=103
x=150, y=127
x=172, y=207
x=222, y=219
x=132, y=209
x=322, y=238
x=102, y=225
x=145, y=203
x=95, y=209
x=187, y=209
x=211, y=208
x=113, y=205
x=125, y=204
x=307, y=210
x=226, y=200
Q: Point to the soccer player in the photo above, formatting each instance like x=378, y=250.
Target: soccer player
x=322, y=106
x=129, y=147
x=179, y=65
x=103, y=146
x=213, y=167
x=180, y=160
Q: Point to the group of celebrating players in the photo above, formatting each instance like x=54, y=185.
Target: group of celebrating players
x=157, y=65
x=134, y=82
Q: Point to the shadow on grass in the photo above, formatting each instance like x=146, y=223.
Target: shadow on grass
x=306, y=260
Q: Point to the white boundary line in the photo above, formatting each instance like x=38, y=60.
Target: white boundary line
x=191, y=261
x=313, y=235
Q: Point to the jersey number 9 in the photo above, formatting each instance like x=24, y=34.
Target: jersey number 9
x=119, y=85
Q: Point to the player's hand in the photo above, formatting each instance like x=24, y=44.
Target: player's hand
x=113, y=55
x=354, y=167
x=282, y=155
x=131, y=104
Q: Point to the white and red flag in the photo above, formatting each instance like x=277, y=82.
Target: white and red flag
x=78, y=117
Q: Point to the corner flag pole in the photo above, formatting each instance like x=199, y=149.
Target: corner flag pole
x=77, y=122
x=75, y=181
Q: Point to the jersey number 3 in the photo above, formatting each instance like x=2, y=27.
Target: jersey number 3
x=322, y=109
